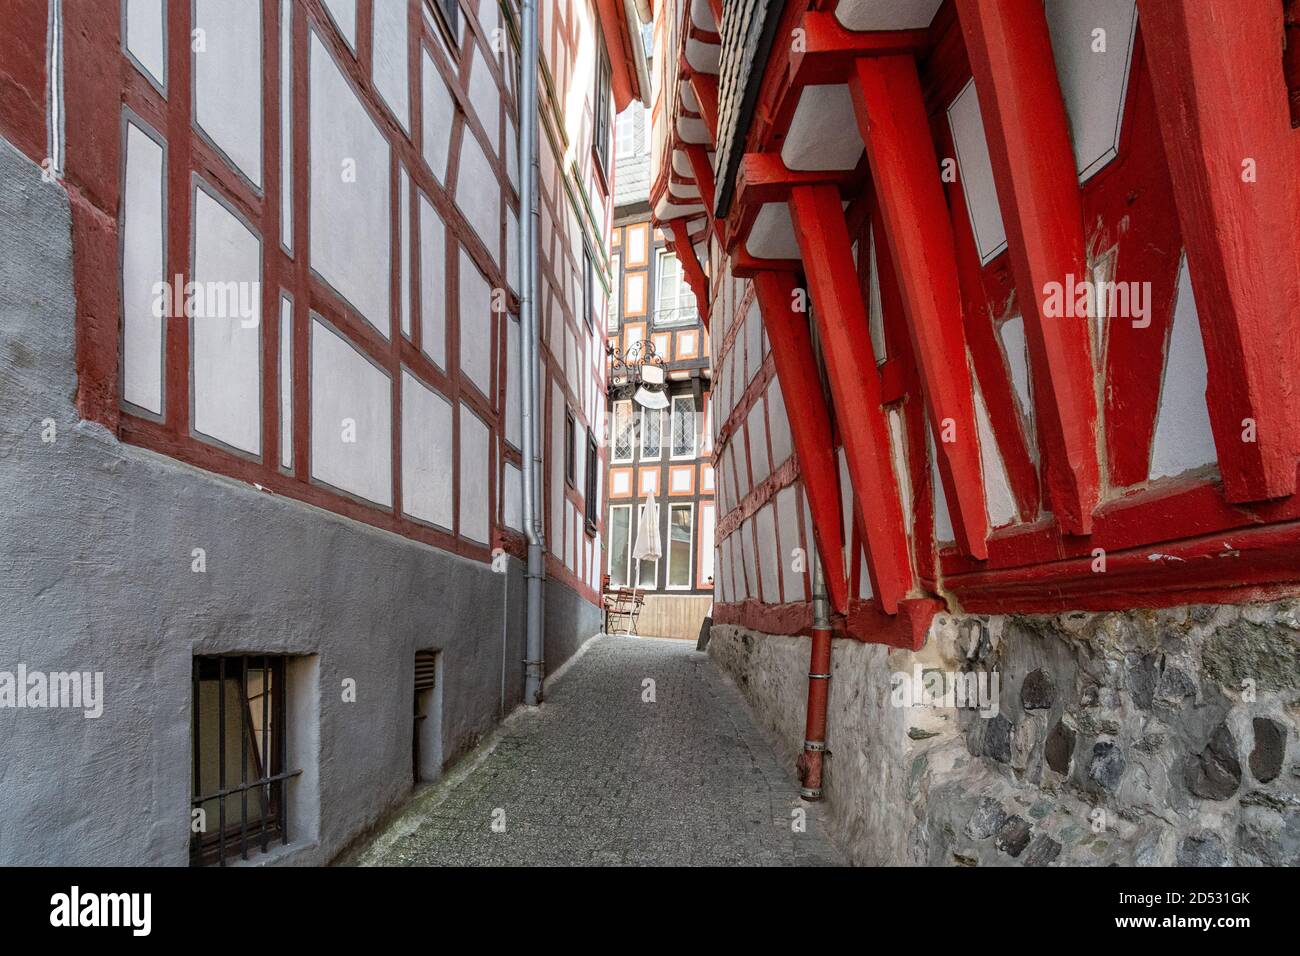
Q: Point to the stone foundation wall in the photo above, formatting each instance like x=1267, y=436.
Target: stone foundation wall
x=1143, y=737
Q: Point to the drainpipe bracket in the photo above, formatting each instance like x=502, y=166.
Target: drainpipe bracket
x=817, y=746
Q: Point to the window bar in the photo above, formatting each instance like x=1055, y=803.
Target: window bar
x=198, y=762
x=280, y=748
x=221, y=755
x=263, y=761
x=244, y=728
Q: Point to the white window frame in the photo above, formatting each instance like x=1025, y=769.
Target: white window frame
x=631, y=532
x=690, y=549
x=613, y=433
x=672, y=424
x=662, y=256
x=633, y=141
x=645, y=432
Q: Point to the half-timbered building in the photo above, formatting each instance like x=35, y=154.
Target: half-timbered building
x=1001, y=302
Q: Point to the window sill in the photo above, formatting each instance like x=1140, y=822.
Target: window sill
x=283, y=855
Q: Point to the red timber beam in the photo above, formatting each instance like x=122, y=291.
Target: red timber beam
x=1222, y=104
x=905, y=169
x=698, y=156
x=855, y=385
x=705, y=86
x=680, y=240
x=826, y=49
x=1028, y=136
x=810, y=426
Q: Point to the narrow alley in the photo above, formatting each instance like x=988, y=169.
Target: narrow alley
x=600, y=775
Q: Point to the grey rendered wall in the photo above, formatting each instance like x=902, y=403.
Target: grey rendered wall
x=570, y=620
x=95, y=546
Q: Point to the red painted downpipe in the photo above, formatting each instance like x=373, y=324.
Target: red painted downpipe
x=819, y=686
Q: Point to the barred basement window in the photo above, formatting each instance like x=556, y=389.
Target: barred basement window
x=239, y=758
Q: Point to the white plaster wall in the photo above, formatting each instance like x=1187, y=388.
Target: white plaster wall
x=286, y=382
x=391, y=57
x=514, y=370
x=943, y=532
x=228, y=80
x=474, y=474
x=823, y=131
x=759, y=465
x=898, y=449
x=513, y=507
x=439, y=110
x=886, y=14
x=146, y=37
x=344, y=14
x=1012, y=335
x=478, y=195
x=1094, y=81
x=1183, y=439
x=404, y=261
x=875, y=308
x=485, y=97
x=346, y=385
x=286, y=123
x=475, y=325
x=227, y=349
x=433, y=283
x=765, y=526
x=787, y=523
x=143, y=266
x=999, y=501
x=427, y=456
x=976, y=169
x=354, y=259
x=778, y=423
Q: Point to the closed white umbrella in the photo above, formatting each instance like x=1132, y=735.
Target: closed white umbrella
x=647, y=546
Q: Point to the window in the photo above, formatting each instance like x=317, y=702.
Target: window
x=570, y=449
x=627, y=131
x=449, y=11
x=674, y=300
x=680, y=521
x=237, y=725
x=620, y=544
x=588, y=289
x=652, y=426
x=683, y=436
x=600, y=134
x=647, y=572
x=589, y=492
x=616, y=287
x=621, y=422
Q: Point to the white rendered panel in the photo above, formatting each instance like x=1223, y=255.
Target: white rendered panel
x=227, y=337
x=144, y=253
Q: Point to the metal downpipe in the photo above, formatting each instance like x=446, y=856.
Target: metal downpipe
x=534, y=665
x=819, y=683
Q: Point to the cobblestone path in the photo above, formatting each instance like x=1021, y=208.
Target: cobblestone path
x=599, y=776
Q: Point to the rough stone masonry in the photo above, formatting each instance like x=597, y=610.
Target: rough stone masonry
x=1149, y=737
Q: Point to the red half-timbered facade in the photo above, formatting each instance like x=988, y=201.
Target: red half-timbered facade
x=1022, y=274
